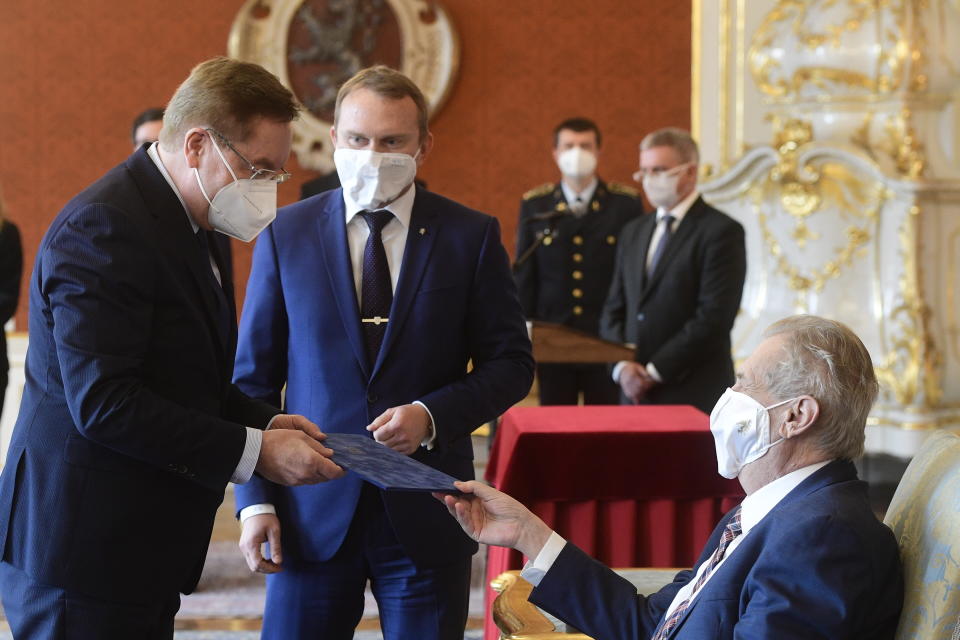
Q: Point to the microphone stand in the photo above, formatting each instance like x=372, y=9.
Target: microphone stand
x=551, y=217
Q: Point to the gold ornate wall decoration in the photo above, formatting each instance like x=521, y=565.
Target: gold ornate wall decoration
x=904, y=146
x=911, y=368
x=313, y=46
x=824, y=30
x=801, y=189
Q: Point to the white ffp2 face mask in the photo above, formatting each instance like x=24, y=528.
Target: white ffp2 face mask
x=577, y=162
x=242, y=208
x=661, y=188
x=371, y=179
x=741, y=431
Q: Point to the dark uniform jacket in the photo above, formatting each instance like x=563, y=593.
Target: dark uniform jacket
x=565, y=279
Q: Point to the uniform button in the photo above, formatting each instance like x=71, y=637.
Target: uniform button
x=641, y=317
x=577, y=310
x=578, y=275
x=182, y=468
x=578, y=240
x=611, y=240
x=577, y=293
x=578, y=257
x=372, y=397
x=548, y=241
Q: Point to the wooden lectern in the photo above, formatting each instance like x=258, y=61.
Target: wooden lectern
x=558, y=343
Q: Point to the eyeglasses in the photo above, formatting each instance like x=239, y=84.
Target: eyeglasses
x=640, y=174
x=255, y=174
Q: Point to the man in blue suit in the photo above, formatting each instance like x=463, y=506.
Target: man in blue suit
x=130, y=428
x=368, y=303
x=803, y=557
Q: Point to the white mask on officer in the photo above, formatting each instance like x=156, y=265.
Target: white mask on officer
x=577, y=162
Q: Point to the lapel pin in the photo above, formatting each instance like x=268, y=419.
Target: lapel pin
x=423, y=231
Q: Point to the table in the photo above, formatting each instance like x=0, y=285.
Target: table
x=633, y=486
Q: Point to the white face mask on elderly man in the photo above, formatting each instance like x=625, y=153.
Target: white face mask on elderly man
x=661, y=188
x=371, y=179
x=243, y=208
x=741, y=431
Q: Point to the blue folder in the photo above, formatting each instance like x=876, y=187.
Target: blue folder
x=382, y=466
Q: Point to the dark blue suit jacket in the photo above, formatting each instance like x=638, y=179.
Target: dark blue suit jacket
x=819, y=565
x=455, y=302
x=130, y=428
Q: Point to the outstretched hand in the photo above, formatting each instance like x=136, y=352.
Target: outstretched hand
x=494, y=518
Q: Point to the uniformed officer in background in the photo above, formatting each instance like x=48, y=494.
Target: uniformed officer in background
x=566, y=245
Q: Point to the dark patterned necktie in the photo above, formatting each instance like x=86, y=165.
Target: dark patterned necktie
x=667, y=221
x=223, y=305
x=732, y=530
x=376, y=290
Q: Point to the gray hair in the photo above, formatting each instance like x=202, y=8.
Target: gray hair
x=826, y=360
x=677, y=139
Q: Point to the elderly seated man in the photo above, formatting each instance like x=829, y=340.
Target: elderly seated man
x=802, y=557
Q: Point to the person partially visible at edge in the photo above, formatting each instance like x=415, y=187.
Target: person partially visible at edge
x=11, y=270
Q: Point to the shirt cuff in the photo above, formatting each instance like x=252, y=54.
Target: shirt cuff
x=256, y=510
x=431, y=438
x=534, y=571
x=652, y=370
x=248, y=461
x=617, y=368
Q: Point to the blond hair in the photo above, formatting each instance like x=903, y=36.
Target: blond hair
x=388, y=83
x=677, y=139
x=826, y=360
x=229, y=96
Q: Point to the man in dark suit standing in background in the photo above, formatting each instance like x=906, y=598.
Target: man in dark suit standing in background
x=367, y=303
x=566, y=244
x=677, y=284
x=130, y=428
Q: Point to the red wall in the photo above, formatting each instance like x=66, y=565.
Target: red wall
x=75, y=72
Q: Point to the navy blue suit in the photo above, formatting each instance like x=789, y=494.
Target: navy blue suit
x=819, y=565
x=130, y=428
x=455, y=302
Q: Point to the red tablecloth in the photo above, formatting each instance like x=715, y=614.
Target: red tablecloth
x=633, y=486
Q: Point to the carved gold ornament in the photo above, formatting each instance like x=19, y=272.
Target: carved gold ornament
x=801, y=45
x=313, y=46
x=801, y=191
x=912, y=355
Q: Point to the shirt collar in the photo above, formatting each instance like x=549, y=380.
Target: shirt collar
x=585, y=196
x=401, y=208
x=759, y=503
x=679, y=210
x=154, y=154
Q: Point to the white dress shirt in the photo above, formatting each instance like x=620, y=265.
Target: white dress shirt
x=755, y=508
x=678, y=212
x=251, y=448
x=394, y=238
x=585, y=196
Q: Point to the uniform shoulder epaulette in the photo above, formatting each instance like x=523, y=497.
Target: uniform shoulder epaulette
x=622, y=189
x=536, y=192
